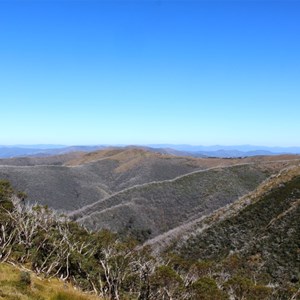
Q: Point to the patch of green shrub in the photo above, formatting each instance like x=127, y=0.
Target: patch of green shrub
x=25, y=278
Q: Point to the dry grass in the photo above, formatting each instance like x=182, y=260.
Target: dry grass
x=86, y=158
x=11, y=288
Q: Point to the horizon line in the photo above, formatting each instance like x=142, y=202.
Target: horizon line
x=147, y=145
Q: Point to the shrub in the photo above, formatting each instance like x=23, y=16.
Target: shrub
x=25, y=278
x=206, y=288
x=67, y=296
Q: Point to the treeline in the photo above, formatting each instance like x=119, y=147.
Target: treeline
x=116, y=267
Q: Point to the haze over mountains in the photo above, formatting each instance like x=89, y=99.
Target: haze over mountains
x=42, y=150
x=185, y=150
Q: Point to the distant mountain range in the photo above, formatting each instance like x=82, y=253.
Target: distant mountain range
x=243, y=148
x=43, y=150
x=179, y=150
x=229, y=151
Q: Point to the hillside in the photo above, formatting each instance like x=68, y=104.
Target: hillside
x=39, y=241
x=74, y=180
x=160, y=206
x=22, y=284
x=77, y=179
x=263, y=226
x=245, y=250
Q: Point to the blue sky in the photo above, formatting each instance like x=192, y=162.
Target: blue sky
x=141, y=72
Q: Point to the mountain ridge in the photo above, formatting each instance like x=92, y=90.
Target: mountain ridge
x=264, y=223
x=132, y=189
x=97, y=213
x=182, y=233
x=185, y=150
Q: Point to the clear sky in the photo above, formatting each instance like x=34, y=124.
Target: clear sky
x=139, y=72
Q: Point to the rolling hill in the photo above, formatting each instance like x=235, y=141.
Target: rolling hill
x=262, y=226
x=219, y=227
x=138, y=189
x=73, y=180
x=160, y=206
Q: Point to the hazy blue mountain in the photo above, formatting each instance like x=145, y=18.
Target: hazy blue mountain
x=42, y=150
x=37, y=146
x=231, y=153
x=244, y=149
x=182, y=150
